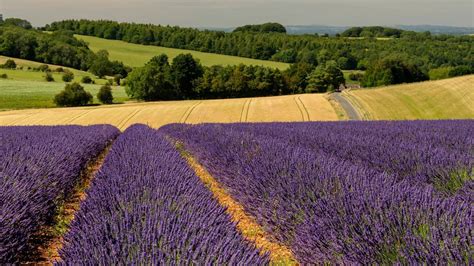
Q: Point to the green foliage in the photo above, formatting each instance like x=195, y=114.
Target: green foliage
x=355, y=76
x=48, y=77
x=117, y=79
x=327, y=77
x=73, y=95
x=186, y=78
x=153, y=81
x=392, y=71
x=68, y=76
x=9, y=64
x=105, y=95
x=430, y=51
x=17, y=22
x=44, y=68
x=87, y=80
x=297, y=76
x=262, y=28
x=3, y=76
x=375, y=31
x=439, y=73
x=461, y=71
x=450, y=183
x=185, y=70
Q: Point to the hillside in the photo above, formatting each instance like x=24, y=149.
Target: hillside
x=443, y=99
x=25, y=71
x=137, y=55
x=23, y=94
x=306, y=107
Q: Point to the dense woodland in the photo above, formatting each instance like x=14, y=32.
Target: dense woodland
x=421, y=49
x=19, y=40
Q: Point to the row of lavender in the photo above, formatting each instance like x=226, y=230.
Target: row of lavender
x=146, y=206
x=365, y=192
x=39, y=166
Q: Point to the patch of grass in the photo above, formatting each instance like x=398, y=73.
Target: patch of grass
x=442, y=99
x=26, y=74
x=137, y=55
x=15, y=94
x=452, y=182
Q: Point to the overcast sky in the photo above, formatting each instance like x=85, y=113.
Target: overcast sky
x=224, y=13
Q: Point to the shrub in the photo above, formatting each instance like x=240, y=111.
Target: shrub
x=356, y=76
x=460, y=71
x=49, y=77
x=68, y=76
x=3, y=76
x=73, y=95
x=105, y=95
x=86, y=80
x=44, y=68
x=9, y=64
x=117, y=79
x=59, y=69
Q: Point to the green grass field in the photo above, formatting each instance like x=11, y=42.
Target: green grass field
x=26, y=74
x=16, y=94
x=137, y=55
x=442, y=99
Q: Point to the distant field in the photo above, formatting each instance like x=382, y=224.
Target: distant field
x=29, y=75
x=442, y=99
x=306, y=107
x=137, y=55
x=16, y=94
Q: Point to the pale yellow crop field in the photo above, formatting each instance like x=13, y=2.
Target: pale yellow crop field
x=292, y=108
x=441, y=99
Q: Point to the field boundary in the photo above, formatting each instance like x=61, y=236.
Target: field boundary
x=246, y=224
x=51, y=238
x=363, y=114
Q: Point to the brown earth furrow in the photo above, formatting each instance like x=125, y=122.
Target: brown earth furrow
x=49, y=239
x=246, y=224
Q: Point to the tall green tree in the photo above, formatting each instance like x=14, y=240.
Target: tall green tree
x=185, y=72
x=327, y=77
x=153, y=81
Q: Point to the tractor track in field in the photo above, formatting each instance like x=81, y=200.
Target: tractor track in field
x=245, y=111
x=188, y=112
x=49, y=239
x=125, y=121
x=246, y=224
x=304, y=112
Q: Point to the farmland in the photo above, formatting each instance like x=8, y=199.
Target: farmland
x=443, y=99
x=352, y=192
x=293, y=108
x=18, y=94
x=25, y=71
x=137, y=55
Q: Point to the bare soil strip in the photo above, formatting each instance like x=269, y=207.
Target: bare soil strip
x=246, y=224
x=245, y=111
x=49, y=240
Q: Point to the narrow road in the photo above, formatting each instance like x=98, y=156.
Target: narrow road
x=348, y=108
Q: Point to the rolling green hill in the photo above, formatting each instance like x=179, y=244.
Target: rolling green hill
x=137, y=55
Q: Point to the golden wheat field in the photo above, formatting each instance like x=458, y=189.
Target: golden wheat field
x=442, y=99
x=293, y=108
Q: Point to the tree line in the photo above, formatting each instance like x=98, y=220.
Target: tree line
x=19, y=40
x=186, y=78
x=420, y=49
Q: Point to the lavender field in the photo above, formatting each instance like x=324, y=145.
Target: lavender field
x=39, y=166
x=338, y=193
x=362, y=192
